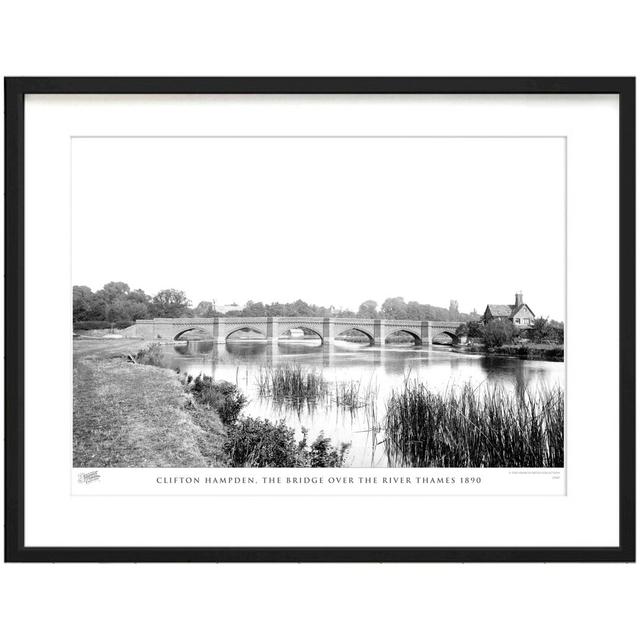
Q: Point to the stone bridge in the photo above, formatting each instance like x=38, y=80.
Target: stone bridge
x=327, y=329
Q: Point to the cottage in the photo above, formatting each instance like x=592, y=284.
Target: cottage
x=519, y=313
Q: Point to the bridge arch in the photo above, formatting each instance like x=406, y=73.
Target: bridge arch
x=339, y=331
x=255, y=329
x=450, y=334
x=314, y=330
x=417, y=340
x=195, y=331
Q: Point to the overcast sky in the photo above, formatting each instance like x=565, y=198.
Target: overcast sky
x=329, y=220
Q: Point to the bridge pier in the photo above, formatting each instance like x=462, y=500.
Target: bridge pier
x=426, y=333
x=272, y=330
x=379, y=336
x=328, y=330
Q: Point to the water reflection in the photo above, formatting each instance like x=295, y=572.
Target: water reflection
x=377, y=368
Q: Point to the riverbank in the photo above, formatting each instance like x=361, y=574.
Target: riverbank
x=134, y=415
x=132, y=410
x=547, y=352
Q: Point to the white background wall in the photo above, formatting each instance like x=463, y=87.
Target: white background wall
x=322, y=38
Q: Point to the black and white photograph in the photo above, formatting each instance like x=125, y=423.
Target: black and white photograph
x=320, y=320
x=362, y=317
x=319, y=301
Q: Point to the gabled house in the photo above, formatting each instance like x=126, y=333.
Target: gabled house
x=519, y=313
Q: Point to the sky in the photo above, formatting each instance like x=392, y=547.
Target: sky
x=333, y=221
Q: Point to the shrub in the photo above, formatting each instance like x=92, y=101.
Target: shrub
x=222, y=396
x=545, y=331
x=471, y=329
x=323, y=454
x=498, y=332
x=152, y=355
x=252, y=442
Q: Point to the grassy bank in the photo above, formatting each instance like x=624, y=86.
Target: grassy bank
x=526, y=351
x=131, y=415
x=131, y=411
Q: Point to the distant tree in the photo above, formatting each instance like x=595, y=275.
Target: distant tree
x=113, y=303
x=83, y=304
x=544, y=330
x=498, y=332
x=126, y=310
x=138, y=295
x=394, y=309
x=204, y=309
x=556, y=331
x=471, y=329
x=253, y=310
x=415, y=310
x=116, y=302
x=368, y=309
x=274, y=309
x=171, y=303
x=300, y=308
x=113, y=291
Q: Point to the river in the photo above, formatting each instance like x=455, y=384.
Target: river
x=379, y=369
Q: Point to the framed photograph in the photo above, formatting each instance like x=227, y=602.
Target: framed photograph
x=320, y=319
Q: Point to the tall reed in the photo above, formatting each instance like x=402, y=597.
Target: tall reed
x=474, y=428
x=292, y=382
x=352, y=395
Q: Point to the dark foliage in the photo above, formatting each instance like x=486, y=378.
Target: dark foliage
x=116, y=302
x=222, y=396
x=253, y=442
x=498, y=332
x=546, y=331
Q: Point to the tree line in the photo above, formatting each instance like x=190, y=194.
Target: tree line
x=497, y=333
x=117, y=303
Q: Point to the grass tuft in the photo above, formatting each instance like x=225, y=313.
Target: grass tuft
x=292, y=383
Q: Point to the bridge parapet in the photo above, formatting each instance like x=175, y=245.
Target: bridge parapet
x=220, y=328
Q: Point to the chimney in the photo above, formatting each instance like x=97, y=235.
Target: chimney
x=518, y=298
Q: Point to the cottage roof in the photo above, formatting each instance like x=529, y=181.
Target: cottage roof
x=501, y=310
x=506, y=310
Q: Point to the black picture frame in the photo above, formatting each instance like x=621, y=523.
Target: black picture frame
x=15, y=91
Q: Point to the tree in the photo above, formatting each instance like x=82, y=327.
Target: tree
x=138, y=295
x=171, y=303
x=83, y=304
x=544, y=330
x=498, y=332
x=113, y=291
x=368, y=309
x=300, y=308
x=415, y=310
x=471, y=329
x=556, y=331
x=204, y=309
x=394, y=309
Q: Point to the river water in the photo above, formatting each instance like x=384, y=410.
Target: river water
x=378, y=369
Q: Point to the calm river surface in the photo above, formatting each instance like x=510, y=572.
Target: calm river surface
x=378, y=368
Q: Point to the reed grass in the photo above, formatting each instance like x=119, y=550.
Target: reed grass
x=474, y=428
x=293, y=383
x=353, y=395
